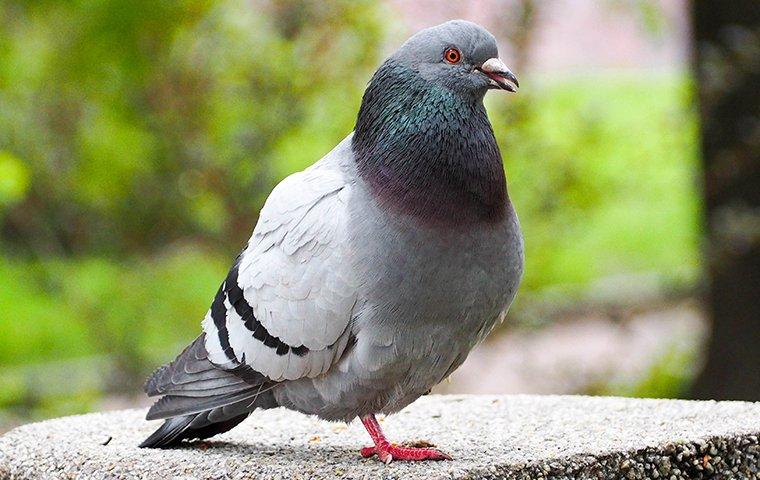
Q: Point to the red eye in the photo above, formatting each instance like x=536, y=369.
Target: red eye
x=452, y=55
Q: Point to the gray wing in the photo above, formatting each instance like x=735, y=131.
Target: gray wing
x=285, y=307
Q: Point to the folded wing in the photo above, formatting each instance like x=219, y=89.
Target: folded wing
x=285, y=308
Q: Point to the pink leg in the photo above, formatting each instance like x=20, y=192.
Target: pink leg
x=388, y=452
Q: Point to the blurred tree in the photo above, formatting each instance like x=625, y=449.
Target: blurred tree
x=143, y=122
x=132, y=130
x=129, y=125
x=727, y=41
x=518, y=22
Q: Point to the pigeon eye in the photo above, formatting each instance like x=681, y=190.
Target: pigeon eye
x=452, y=55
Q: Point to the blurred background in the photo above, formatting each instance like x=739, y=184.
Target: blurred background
x=138, y=140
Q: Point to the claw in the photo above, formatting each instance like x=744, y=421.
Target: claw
x=387, y=452
x=394, y=452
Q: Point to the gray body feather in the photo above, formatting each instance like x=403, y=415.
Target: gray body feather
x=369, y=276
x=426, y=296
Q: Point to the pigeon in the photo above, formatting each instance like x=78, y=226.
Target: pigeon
x=370, y=275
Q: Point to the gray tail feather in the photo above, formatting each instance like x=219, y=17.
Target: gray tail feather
x=200, y=400
x=168, y=434
x=192, y=374
x=200, y=425
x=177, y=429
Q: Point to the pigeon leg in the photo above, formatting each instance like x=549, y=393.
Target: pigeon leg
x=387, y=452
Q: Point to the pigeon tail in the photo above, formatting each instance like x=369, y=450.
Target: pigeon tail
x=176, y=429
x=199, y=400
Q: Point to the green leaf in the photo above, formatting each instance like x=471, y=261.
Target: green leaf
x=14, y=179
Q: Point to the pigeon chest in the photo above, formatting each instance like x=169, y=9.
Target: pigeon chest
x=414, y=275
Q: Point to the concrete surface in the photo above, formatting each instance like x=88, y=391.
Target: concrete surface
x=520, y=437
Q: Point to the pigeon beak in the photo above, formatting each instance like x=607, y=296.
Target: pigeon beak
x=499, y=75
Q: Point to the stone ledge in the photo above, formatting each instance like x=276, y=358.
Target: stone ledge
x=514, y=437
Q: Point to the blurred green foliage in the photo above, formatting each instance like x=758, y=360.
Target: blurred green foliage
x=142, y=122
x=669, y=376
x=75, y=328
x=139, y=139
x=603, y=171
x=14, y=179
x=601, y=180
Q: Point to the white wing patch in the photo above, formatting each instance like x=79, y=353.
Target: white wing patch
x=286, y=305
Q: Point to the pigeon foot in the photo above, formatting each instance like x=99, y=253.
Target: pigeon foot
x=387, y=452
x=394, y=452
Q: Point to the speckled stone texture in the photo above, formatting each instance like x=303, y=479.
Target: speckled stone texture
x=513, y=437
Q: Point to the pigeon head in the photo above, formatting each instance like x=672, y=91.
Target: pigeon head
x=458, y=55
x=422, y=141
